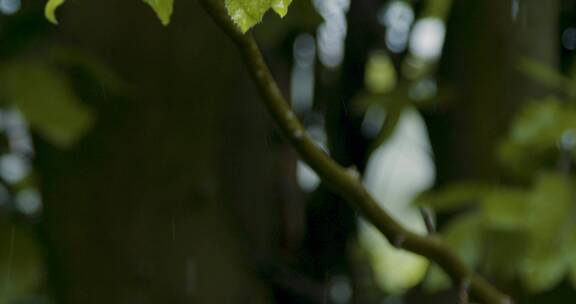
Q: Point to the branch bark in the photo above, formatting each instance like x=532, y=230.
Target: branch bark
x=343, y=181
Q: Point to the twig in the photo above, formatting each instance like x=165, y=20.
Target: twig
x=428, y=220
x=339, y=179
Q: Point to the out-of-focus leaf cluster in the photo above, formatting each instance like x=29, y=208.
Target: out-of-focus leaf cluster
x=525, y=234
x=540, y=131
x=21, y=269
x=43, y=91
x=45, y=97
x=511, y=233
x=40, y=85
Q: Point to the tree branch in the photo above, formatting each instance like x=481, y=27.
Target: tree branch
x=345, y=182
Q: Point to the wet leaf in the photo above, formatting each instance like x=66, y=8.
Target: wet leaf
x=247, y=13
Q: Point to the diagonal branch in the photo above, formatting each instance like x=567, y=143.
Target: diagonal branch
x=344, y=181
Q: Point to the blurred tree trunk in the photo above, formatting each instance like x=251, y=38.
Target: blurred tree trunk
x=480, y=65
x=331, y=220
x=485, y=40
x=171, y=197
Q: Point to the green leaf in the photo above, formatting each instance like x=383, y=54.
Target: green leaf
x=464, y=236
x=536, y=132
x=503, y=252
x=551, y=207
x=546, y=74
x=506, y=209
x=163, y=9
x=550, y=224
x=247, y=13
x=543, y=272
x=453, y=196
x=46, y=99
x=50, y=10
x=281, y=6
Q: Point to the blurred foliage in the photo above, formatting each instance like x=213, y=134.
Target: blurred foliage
x=548, y=76
x=464, y=238
x=540, y=130
x=21, y=267
x=453, y=196
x=40, y=84
x=514, y=233
x=50, y=107
x=521, y=233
